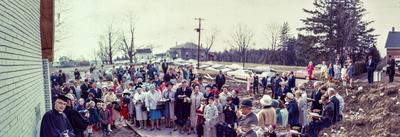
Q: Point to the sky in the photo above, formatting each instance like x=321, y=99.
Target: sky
x=163, y=23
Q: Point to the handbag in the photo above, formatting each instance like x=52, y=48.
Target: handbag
x=143, y=107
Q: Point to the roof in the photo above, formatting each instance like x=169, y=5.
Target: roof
x=145, y=50
x=187, y=45
x=393, y=40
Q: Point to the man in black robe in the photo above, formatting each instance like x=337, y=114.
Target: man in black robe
x=55, y=123
x=78, y=122
x=182, y=105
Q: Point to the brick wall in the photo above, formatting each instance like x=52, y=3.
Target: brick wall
x=22, y=102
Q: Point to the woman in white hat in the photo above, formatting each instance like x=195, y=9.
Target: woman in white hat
x=141, y=112
x=267, y=116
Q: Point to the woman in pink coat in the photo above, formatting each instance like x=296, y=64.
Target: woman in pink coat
x=310, y=69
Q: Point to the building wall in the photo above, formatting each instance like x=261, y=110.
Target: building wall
x=22, y=102
x=189, y=54
x=394, y=52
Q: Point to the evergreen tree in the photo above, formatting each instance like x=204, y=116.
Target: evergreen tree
x=338, y=28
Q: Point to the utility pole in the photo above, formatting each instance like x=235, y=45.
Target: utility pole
x=198, y=43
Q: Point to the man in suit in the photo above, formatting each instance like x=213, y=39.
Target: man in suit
x=391, y=70
x=324, y=121
x=264, y=82
x=61, y=77
x=96, y=91
x=220, y=80
x=85, y=89
x=370, y=69
x=316, y=96
x=335, y=101
x=291, y=80
x=164, y=66
x=255, y=85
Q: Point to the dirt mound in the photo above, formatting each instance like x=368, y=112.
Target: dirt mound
x=369, y=111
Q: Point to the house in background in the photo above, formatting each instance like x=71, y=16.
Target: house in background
x=393, y=44
x=187, y=51
x=144, y=54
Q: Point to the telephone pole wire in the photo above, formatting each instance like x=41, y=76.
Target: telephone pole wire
x=198, y=43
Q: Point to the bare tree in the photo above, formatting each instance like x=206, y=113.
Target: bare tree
x=241, y=40
x=60, y=27
x=210, y=42
x=108, y=43
x=128, y=44
x=272, y=35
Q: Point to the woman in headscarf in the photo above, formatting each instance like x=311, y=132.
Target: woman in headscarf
x=302, y=105
x=141, y=112
x=169, y=98
x=152, y=98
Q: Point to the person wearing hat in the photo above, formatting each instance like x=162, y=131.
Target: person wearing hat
x=141, y=113
x=168, y=95
x=54, y=122
x=293, y=110
x=246, y=120
x=151, y=100
x=267, y=115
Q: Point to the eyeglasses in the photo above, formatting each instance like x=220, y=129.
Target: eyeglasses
x=61, y=103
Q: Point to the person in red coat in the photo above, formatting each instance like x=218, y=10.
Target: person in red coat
x=124, y=108
x=310, y=69
x=200, y=118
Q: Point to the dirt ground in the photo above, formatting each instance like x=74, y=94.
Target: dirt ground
x=370, y=111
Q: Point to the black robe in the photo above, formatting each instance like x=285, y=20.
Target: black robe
x=182, y=109
x=77, y=121
x=55, y=124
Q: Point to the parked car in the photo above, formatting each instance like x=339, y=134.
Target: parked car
x=234, y=66
x=240, y=74
x=261, y=69
x=217, y=68
x=303, y=74
x=204, y=66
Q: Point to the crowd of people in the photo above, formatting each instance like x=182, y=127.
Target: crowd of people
x=157, y=96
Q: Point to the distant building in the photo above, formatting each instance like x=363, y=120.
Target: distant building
x=161, y=55
x=393, y=44
x=144, y=54
x=187, y=51
x=67, y=62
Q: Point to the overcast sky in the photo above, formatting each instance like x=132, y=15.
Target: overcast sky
x=164, y=22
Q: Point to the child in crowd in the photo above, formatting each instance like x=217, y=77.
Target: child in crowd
x=104, y=119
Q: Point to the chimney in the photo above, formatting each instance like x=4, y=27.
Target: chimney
x=393, y=29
